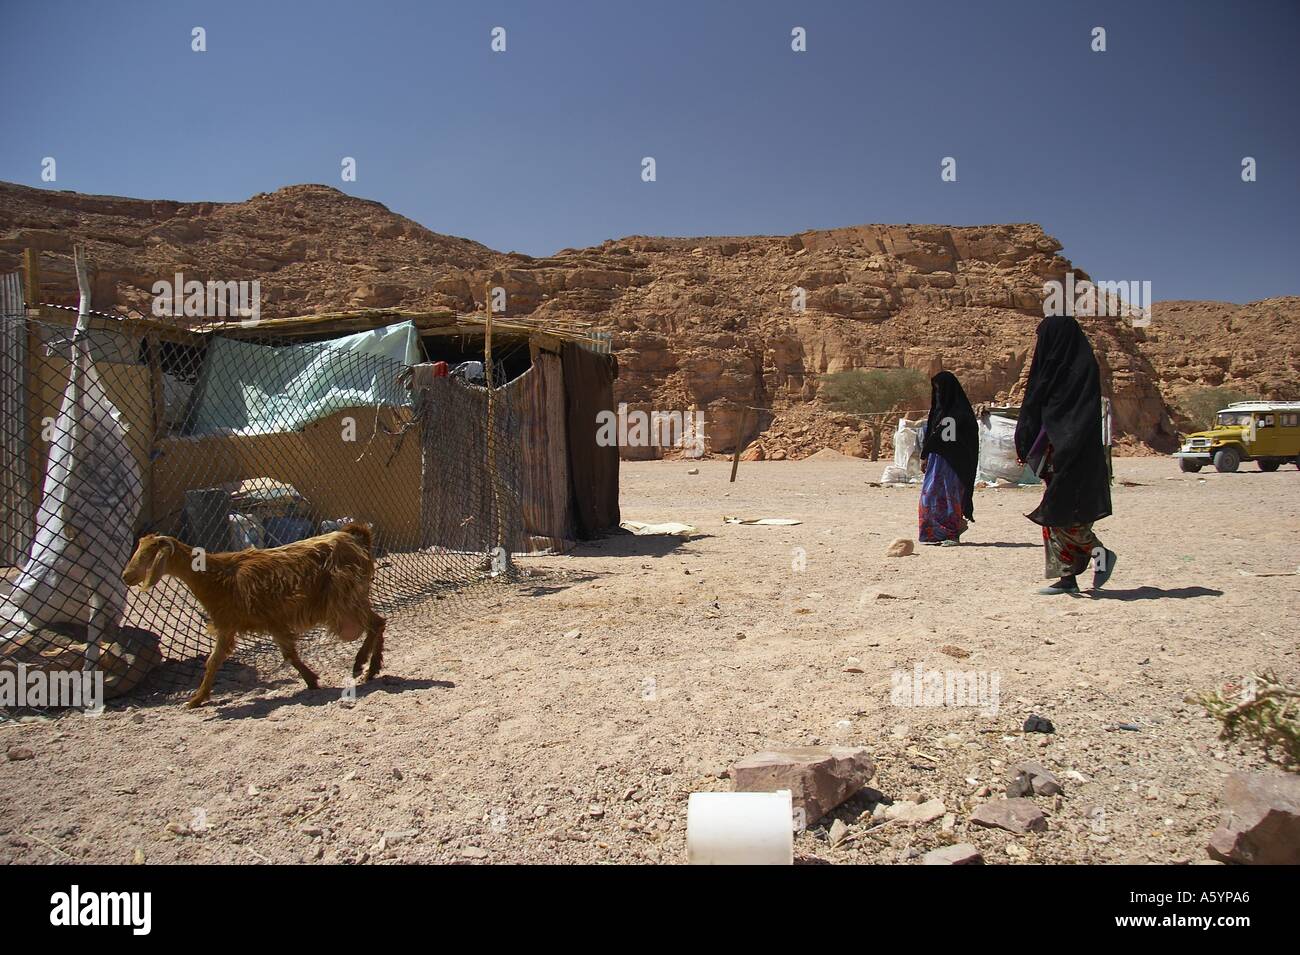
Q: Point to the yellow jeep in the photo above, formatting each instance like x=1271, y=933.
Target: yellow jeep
x=1263, y=431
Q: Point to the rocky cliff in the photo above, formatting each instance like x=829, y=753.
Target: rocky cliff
x=1254, y=348
x=711, y=323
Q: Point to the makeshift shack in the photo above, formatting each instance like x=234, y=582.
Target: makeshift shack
x=252, y=434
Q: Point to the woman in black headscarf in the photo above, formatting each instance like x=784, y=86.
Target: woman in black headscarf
x=1059, y=434
x=949, y=456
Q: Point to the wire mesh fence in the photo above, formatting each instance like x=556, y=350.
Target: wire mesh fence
x=226, y=441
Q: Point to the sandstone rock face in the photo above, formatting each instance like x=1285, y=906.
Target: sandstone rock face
x=1261, y=821
x=1254, y=349
x=724, y=324
x=819, y=778
x=312, y=247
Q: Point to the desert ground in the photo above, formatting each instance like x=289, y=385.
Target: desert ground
x=566, y=718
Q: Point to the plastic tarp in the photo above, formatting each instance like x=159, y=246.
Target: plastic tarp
x=85, y=522
x=906, y=468
x=998, y=452
x=262, y=389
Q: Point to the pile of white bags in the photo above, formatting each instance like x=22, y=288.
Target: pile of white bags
x=998, y=452
x=906, y=468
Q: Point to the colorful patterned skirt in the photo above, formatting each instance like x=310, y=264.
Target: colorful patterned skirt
x=940, y=510
x=1070, y=549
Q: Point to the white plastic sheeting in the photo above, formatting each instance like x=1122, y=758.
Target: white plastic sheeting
x=90, y=500
x=906, y=468
x=260, y=389
x=997, y=460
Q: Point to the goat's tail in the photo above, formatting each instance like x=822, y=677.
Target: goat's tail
x=362, y=534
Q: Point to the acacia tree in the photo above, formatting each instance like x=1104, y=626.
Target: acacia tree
x=873, y=392
x=1202, y=405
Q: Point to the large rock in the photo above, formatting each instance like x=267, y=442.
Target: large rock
x=1013, y=815
x=1261, y=820
x=710, y=323
x=819, y=777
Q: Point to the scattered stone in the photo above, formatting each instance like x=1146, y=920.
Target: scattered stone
x=137, y=858
x=693, y=471
x=819, y=777
x=1131, y=727
x=839, y=832
x=19, y=753
x=963, y=853
x=1013, y=815
x=1261, y=821
x=956, y=652
x=596, y=811
x=915, y=814
x=1038, y=724
x=901, y=547
x=178, y=829
x=1030, y=778
x=473, y=852
x=572, y=634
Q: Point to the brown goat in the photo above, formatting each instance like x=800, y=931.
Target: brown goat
x=283, y=591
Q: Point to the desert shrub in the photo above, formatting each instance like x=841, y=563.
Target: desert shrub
x=1202, y=405
x=1265, y=710
x=874, y=392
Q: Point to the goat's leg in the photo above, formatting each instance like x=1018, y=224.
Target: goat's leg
x=223, y=643
x=376, y=634
x=289, y=650
x=363, y=654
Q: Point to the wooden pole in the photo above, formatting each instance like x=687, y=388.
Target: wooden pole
x=740, y=443
x=491, y=419
x=32, y=380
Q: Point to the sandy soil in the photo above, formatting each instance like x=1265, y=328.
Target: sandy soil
x=500, y=735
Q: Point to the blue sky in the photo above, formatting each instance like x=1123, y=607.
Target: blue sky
x=1131, y=157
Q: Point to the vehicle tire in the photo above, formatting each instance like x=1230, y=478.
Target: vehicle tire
x=1226, y=461
x=1187, y=465
x=1272, y=464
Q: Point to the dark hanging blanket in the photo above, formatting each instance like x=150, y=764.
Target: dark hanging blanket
x=593, y=470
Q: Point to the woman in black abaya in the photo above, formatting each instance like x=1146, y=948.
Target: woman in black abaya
x=949, y=456
x=1059, y=433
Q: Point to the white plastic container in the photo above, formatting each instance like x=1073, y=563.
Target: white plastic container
x=740, y=829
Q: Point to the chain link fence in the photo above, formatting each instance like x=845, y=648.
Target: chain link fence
x=230, y=440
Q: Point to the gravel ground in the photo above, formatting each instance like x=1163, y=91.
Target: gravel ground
x=499, y=734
